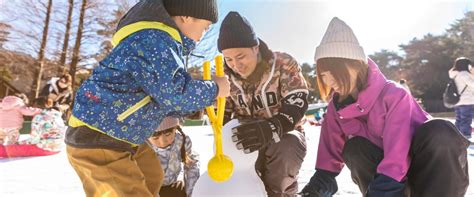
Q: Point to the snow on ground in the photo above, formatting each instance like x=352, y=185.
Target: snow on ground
x=53, y=176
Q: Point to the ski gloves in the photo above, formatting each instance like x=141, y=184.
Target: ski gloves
x=251, y=136
x=322, y=184
x=385, y=186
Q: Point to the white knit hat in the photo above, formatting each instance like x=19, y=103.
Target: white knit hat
x=167, y=123
x=339, y=41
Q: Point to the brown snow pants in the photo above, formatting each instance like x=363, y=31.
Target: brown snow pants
x=278, y=164
x=105, y=172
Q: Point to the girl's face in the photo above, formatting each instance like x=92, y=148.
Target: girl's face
x=164, y=139
x=329, y=80
x=242, y=61
x=343, y=76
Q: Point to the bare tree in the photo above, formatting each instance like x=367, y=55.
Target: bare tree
x=108, y=27
x=77, y=45
x=62, y=60
x=4, y=31
x=37, y=81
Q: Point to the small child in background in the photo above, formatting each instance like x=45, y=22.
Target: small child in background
x=173, y=148
x=12, y=110
x=47, y=128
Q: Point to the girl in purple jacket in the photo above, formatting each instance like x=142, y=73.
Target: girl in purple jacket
x=375, y=127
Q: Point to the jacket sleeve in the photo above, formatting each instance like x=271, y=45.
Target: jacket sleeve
x=160, y=71
x=29, y=111
x=400, y=123
x=331, y=143
x=294, y=103
x=191, y=170
x=229, y=110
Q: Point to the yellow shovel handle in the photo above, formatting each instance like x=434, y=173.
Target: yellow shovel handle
x=220, y=107
x=216, y=120
x=220, y=100
x=207, y=76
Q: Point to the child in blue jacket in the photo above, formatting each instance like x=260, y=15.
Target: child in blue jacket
x=139, y=83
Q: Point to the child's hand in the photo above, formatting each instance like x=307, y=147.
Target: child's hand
x=224, y=86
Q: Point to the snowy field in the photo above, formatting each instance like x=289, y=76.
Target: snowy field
x=53, y=176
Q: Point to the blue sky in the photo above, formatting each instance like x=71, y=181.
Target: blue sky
x=297, y=26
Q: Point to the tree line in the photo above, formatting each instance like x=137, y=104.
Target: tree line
x=47, y=38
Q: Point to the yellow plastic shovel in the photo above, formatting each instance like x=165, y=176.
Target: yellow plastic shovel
x=220, y=167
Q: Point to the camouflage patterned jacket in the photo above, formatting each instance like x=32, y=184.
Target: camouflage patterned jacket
x=281, y=93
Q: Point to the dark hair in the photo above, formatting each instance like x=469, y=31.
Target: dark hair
x=184, y=156
x=166, y=131
x=43, y=102
x=462, y=64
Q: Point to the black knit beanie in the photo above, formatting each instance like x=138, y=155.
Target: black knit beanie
x=236, y=32
x=202, y=9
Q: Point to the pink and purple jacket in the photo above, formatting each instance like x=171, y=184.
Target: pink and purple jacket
x=384, y=113
x=12, y=110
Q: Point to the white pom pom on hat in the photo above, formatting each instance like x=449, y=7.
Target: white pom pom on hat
x=339, y=41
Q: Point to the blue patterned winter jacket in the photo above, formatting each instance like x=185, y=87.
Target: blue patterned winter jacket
x=139, y=83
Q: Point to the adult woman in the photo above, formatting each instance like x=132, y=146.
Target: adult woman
x=378, y=130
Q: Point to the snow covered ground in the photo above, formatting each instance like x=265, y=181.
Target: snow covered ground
x=53, y=176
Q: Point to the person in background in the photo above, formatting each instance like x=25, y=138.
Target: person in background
x=59, y=90
x=463, y=75
x=47, y=127
x=175, y=151
x=12, y=110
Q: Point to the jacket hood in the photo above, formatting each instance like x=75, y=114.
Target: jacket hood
x=147, y=10
x=10, y=102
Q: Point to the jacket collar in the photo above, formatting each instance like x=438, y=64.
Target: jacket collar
x=150, y=14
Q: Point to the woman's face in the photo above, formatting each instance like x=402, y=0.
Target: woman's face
x=243, y=61
x=165, y=139
x=330, y=81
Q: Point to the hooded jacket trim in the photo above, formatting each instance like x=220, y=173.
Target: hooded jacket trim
x=270, y=77
x=75, y=122
x=138, y=26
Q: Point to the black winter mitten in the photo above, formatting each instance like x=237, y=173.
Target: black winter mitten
x=251, y=136
x=322, y=184
x=385, y=186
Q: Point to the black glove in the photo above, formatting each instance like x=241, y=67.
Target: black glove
x=385, y=186
x=322, y=184
x=251, y=136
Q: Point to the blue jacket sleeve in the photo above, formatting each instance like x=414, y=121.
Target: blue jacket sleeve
x=160, y=71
